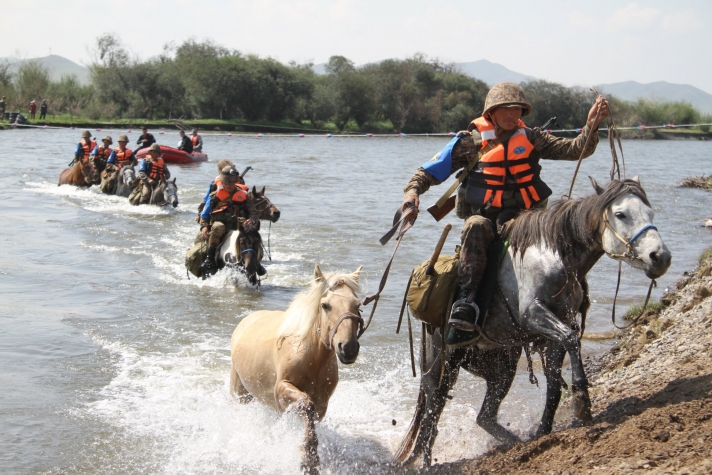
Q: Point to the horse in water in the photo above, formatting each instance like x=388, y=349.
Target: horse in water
x=83, y=173
x=265, y=208
x=118, y=181
x=541, y=288
x=288, y=360
x=243, y=251
x=165, y=193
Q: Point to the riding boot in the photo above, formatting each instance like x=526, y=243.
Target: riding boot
x=209, y=266
x=464, y=311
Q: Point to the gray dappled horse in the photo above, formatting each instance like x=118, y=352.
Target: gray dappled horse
x=165, y=193
x=118, y=181
x=541, y=288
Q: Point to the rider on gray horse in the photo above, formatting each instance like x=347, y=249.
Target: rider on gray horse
x=504, y=182
x=152, y=170
x=225, y=210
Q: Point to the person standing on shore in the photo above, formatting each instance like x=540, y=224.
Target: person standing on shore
x=2, y=108
x=504, y=182
x=33, y=108
x=197, y=141
x=185, y=143
x=145, y=140
x=43, y=109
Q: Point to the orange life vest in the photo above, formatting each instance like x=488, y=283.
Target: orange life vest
x=506, y=160
x=103, y=152
x=88, y=149
x=195, y=140
x=157, y=167
x=123, y=156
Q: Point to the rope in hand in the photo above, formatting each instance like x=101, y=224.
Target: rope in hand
x=585, y=145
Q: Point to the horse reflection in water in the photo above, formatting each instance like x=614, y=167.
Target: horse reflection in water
x=118, y=181
x=83, y=173
x=541, y=288
x=288, y=360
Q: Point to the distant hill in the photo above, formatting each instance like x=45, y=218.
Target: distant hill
x=57, y=66
x=661, y=90
x=491, y=73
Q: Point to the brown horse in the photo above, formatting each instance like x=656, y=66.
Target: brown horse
x=265, y=208
x=83, y=173
x=287, y=360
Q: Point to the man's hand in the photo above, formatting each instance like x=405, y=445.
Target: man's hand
x=205, y=232
x=411, y=201
x=592, y=122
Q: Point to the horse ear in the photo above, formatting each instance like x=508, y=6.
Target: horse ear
x=174, y=181
x=262, y=191
x=599, y=189
x=356, y=274
x=254, y=190
x=318, y=276
x=636, y=179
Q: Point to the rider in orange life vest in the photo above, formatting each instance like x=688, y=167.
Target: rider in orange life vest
x=505, y=181
x=103, y=151
x=224, y=211
x=152, y=170
x=197, y=141
x=85, y=147
x=121, y=156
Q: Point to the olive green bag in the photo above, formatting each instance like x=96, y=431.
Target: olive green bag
x=195, y=256
x=430, y=297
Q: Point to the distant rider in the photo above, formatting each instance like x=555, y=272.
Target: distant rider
x=121, y=156
x=197, y=141
x=224, y=211
x=101, y=153
x=145, y=140
x=185, y=143
x=151, y=171
x=85, y=146
x=503, y=183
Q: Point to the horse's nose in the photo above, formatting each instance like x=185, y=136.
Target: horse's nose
x=349, y=351
x=660, y=260
x=275, y=216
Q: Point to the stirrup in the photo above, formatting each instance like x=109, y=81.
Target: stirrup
x=208, y=268
x=464, y=315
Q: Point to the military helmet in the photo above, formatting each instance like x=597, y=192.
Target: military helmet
x=86, y=134
x=154, y=148
x=123, y=138
x=506, y=94
x=229, y=175
x=108, y=139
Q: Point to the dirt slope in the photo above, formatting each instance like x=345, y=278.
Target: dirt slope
x=652, y=401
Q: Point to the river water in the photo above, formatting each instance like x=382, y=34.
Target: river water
x=112, y=361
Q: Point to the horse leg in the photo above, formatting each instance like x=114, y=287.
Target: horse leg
x=436, y=382
x=539, y=319
x=237, y=388
x=554, y=358
x=500, y=367
x=290, y=397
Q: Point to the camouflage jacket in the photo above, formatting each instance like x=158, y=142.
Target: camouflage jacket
x=545, y=146
x=229, y=210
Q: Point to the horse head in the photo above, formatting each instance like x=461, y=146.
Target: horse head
x=89, y=170
x=627, y=230
x=340, y=321
x=264, y=206
x=128, y=175
x=250, y=244
x=109, y=179
x=170, y=193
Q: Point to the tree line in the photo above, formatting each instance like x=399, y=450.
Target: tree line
x=203, y=80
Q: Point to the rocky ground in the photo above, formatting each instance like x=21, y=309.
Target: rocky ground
x=698, y=182
x=652, y=401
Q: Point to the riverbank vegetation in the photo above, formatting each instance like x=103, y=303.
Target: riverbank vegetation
x=199, y=81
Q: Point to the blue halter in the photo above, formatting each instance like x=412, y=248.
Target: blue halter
x=642, y=230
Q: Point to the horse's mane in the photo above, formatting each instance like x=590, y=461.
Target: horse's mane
x=302, y=316
x=568, y=226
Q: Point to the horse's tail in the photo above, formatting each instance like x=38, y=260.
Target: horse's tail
x=407, y=445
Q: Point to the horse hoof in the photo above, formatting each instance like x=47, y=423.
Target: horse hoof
x=581, y=405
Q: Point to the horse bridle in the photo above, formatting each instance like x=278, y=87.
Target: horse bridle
x=630, y=254
x=342, y=317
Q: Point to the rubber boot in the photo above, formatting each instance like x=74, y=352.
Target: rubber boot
x=209, y=266
x=464, y=311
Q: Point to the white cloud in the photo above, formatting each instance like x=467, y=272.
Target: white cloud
x=581, y=21
x=681, y=22
x=633, y=16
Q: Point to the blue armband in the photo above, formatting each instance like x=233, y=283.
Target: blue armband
x=440, y=166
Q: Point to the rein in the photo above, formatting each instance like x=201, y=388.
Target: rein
x=268, y=249
x=630, y=254
x=332, y=333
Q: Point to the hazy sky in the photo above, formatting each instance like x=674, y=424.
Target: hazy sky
x=571, y=42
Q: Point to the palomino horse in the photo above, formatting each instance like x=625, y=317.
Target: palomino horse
x=265, y=208
x=287, y=360
x=242, y=251
x=82, y=173
x=118, y=181
x=541, y=288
